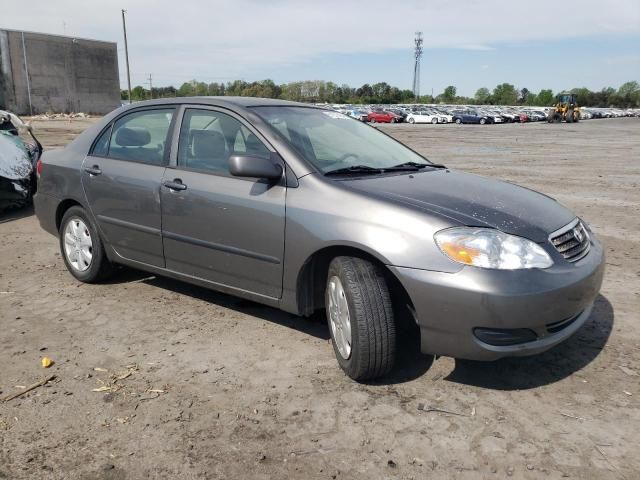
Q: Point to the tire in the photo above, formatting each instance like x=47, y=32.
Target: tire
x=458, y=121
x=569, y=116
x=373, y=120
x=434, y=121
x=483, y=121
x=99, y=267
x=411, y=121
x=363, y=290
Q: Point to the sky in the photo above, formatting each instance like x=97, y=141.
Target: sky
x=467, y=43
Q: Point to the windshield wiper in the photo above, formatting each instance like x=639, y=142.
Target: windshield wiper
x=414, y=165
x=403, y=167
x=355, y=169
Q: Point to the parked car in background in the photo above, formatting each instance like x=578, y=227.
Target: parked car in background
x=471, y=116
x=400, y=112
x=305, y=209
x=422, y=116
x=383, y=116
x=448, y=117
x=359, y=115
x=494, y=116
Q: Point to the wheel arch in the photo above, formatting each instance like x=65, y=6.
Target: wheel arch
x=312, y=277
x=62, y=207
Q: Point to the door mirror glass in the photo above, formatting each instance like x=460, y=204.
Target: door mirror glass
x=254, y=167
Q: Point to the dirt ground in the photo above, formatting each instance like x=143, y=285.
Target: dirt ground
x=195, y=384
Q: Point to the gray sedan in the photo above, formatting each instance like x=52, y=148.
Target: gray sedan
x=305, y=209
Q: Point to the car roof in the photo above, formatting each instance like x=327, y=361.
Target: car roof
x=229, y=102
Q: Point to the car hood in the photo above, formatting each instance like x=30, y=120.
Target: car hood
x=471, y=200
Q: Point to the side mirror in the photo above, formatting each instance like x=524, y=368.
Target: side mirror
x=254, y=167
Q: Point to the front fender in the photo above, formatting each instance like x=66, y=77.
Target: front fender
x=323, y=214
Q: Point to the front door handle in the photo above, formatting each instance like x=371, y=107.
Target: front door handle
x=93, y=171
x=175, y=184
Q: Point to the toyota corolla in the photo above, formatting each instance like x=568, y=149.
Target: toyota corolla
x=305, y=209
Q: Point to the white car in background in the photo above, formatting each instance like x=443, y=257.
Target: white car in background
x=423, y=116
x=445, y=116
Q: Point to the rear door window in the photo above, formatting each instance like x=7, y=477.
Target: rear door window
x=142, y=136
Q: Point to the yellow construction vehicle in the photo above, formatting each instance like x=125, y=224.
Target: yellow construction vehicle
x=566, y=108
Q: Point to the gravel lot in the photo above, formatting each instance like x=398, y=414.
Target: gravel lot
x=198, y=384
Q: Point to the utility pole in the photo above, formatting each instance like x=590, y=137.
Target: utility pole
x=416, y=67
x=126, y=52
x=150, y=87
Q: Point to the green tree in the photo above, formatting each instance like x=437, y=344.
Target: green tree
x=449, y=94
x=482, y=96
x=505, y=94
x=532, y=100
x=139, y=93
x=629, y=94
x=201, y=89
x=187, y=89
x=545, y=98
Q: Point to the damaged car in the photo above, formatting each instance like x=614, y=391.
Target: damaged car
x=19, y=155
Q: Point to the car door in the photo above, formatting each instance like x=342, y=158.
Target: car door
x=217, y=227
x=121, y=178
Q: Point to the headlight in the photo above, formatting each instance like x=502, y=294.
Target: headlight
x=490, y=248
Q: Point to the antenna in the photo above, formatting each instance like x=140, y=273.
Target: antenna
x=416, y=68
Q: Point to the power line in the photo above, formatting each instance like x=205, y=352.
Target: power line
x=416, y=68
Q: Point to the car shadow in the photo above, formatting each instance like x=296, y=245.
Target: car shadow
x=565, y=359
x=315, y=325
x=514, y=373
x=410, y=364
x=12, y=214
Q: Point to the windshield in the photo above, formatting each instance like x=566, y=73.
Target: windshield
x=330, y=140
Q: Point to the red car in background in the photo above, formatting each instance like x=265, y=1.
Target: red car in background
x=382, y=116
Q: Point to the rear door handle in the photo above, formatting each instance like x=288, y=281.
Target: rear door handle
x=175, y=184
x=93, y=171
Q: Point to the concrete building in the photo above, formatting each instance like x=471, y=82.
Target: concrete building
x=51, y=73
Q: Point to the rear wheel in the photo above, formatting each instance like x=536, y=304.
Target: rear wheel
x=458, y=121
x=434, y=121
x=483, y=121
x=569, y=116
x=373, y=120
x=82, y=248
x=360, y=318
x=411, y=120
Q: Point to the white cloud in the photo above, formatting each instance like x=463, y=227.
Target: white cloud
x=224, y=39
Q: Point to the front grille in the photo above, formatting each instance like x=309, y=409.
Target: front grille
x=571, y=241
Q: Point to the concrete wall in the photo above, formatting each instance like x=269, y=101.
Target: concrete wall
x=64, y=74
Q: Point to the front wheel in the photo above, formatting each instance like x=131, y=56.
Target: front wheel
x=483, y=121
x=412, y=121
x=82, y=248
x=360, y=318
x=434, y=121
x=458, y=121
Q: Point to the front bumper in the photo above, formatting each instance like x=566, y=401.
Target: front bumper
x=449, y=306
